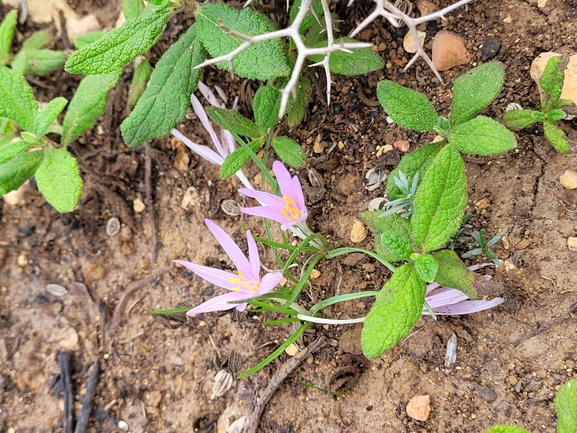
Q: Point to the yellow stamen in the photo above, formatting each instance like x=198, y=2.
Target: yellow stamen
x=290, y=211
x=244, y=285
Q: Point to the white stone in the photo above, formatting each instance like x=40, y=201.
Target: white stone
x=568, y=179
x=409, y=43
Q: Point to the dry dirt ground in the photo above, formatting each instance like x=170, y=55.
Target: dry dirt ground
x=157, y=376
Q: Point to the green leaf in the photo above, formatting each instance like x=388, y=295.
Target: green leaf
x=411, y=164
x=233, y=121
x=297, y=107
x=6, y=34
x=266, y=107
x=566, y=406
x=132, y=8
x=392, y=223
x=555, y=136
x=140, y=79
x=119, y=46
x=506, y=429
x=482, y=136
x=32, y=139
x=555, y=114
x=17, y=101
x=309, y=18
x=426, y=267
x=519, y=119
x=38, y=62
x=87, y=38
x=10, y=150
x=453, y=273
x=167, y=96
x=87, y=104
x=398, y=243
x=409, y=109
x=289, y=151
x=442, y=126
x=18, y=170
x=237, y=159
x=440, y=200
x=37, y=41
x=475, y=90
x=397, y=308
x=48, y=115
x=58, y=179
x=359, y=61
x=261, y=61
x=552, y=82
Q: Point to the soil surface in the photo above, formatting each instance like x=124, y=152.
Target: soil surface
x=157, y=375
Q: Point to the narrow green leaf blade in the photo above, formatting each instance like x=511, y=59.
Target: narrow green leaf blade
x=86, y=39
x=38, y=62
x=482, y=136
x=87, y=104
x=453, y=273
x=119, y=46
x=17, y=101
x=426, y=267
x=289, y=151
x=506, y=429
x=397, y=308
x=359, y=61
x=58, y=179
x=233, y=121
x=18, y=170
x=566, y=406
x=48, y=115
x=140, y=79
x=392, y=223
x=552, y=82
x=475, y=90
x=411, y=164
x=410, y=109
x=266, y=106
x=519, y=119
x=261, y=61
x=6, y=34
x=10, y=150
x=237, y=159
x=167, y=96
x=297, y=107
x=555, y=136
x=440, y=200
x=37, y=41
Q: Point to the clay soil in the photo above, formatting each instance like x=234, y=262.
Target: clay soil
x=157, y=375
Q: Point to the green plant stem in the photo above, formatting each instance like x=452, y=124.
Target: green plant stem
x=304, y=279
x=347, y=250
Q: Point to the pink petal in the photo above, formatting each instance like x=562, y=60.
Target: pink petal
x=445, y=297
x=266, y=198
x=219, y=303
x=289, y=186
x=217, y=277
x=227, y=140
x=468, y=307
x=201, y=150
x=267, y=212
x=209, y=95
x=253, y=258
x=199, y=110
x=233, y=251
x=269, y=282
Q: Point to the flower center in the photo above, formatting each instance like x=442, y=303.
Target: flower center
x=241, y=284
x=290, y=210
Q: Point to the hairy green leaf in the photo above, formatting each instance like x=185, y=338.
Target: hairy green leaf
x=17, y=101
x=475, y=90
x=519, y=119
x=87, y=104
x=58, y=179
x=398, y=243
x=397, y=308
x=310, y=18
x=261, y=61
x=88, y=38
x=555, y=136
x=18, y=170
x=38, y=62
x=132, y=8
x=297, y=107
x=453, y=273
x=233, y=121
x=411, y=164
x=552, y=82
x=140, y=79
x=555, y=114
x=392, y=223
x=507, y=429
x=426, y=267
x=566, y=406
x=167, y=96
x=237, y=159
x=6, y=34
x=119, y=46
x=37, y=41
x=289, y=151
x=10, y=150
x=358, y=61
x=48, y=115
x=266, y=106
x=440, y=200
x=410, y=109
x=482, y=136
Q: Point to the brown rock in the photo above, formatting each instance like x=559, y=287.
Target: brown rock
x=358, y=232
x=402, y=145
x=449, y=51
x=569, y=179
x=419, y=407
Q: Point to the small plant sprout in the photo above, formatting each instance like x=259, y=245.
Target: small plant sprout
x=245, y=284
x=482, y=246
x=552, y=107
x=404, y=200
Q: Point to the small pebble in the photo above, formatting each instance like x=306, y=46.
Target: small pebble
x=569, y=179
x=572, y=243
x=419, y=407
x=22, y=260
x=315, y=274
x=358, y=232
x=402, y=145
x=409, y=43
x=449, y=51
x=490, y=48
x=292, y=350
x=486, y=393
x=56, y=290
x=138, y=205
x=112, y=227
x=123, y=425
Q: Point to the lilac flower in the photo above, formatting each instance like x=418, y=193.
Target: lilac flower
x=453, y=302
x=246, y=283
x=289, y=210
